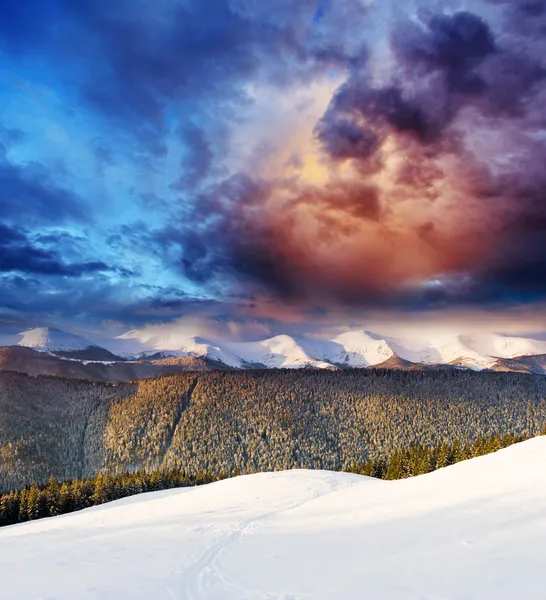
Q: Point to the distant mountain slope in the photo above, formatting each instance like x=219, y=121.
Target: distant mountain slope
x=47, y=339
x=31, y=362
x=472, y=530
x=361, y=349
x=523, y=364
x=280, y=352
x=61, y=343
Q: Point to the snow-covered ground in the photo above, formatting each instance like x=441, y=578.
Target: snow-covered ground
x=474, y=531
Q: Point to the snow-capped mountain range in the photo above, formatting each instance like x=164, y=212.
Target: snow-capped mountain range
x=361, y=349
x=355, y=349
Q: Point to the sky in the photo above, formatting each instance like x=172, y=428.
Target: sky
x=272, y=166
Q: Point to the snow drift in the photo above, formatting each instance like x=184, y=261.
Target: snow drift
x=476, y=530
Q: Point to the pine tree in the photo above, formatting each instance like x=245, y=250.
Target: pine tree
x=23, y=506
x=444, y=456
x=103, y=491
x=9, y=508
x=395, y=468
x=33, y=502
x=52, y=495
x=66, y=501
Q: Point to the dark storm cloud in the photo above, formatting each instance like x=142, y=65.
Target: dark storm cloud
x=28, y=194
x=200, y=160
x=444, y=65
x=18, y=254
x=148, y=69
x=232, y=240
x=524, y=17
x=343, y=138
x=455, y=77
x=134, y=58
x=92, y=301
x=459, y=87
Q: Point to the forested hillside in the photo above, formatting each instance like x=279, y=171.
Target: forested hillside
x=223, y=423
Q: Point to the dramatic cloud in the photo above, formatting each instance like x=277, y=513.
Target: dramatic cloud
x=132, y=61
x=274, y=158
x=18, y=254
x=27, y=194
x=434, y=176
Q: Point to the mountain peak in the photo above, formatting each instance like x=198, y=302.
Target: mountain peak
x=363, y=349
x=49, y=339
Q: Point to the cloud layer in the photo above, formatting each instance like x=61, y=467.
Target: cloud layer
x=158, y=159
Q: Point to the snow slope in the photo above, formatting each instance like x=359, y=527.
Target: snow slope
x=474, y=531
x=503, y=346
x=278, y=352
x=362, y=349
x=47, y=339
x=281, y=351
x=202, y=348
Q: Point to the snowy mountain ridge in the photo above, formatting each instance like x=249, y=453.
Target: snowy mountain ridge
x=65, y=345
x=353, y=349
x=48, y=339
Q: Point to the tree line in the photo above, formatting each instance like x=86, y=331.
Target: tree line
x=59, y=498
x=56, y=498
x=419, y=459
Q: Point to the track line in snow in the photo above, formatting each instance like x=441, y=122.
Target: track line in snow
x=199, y=577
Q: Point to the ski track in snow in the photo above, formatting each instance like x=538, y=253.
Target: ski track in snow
x=473, y=531
x=198, y=578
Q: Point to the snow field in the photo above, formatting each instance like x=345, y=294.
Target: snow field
x=473, y=531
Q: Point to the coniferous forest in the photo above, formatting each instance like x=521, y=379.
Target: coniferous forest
x=220, y=424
